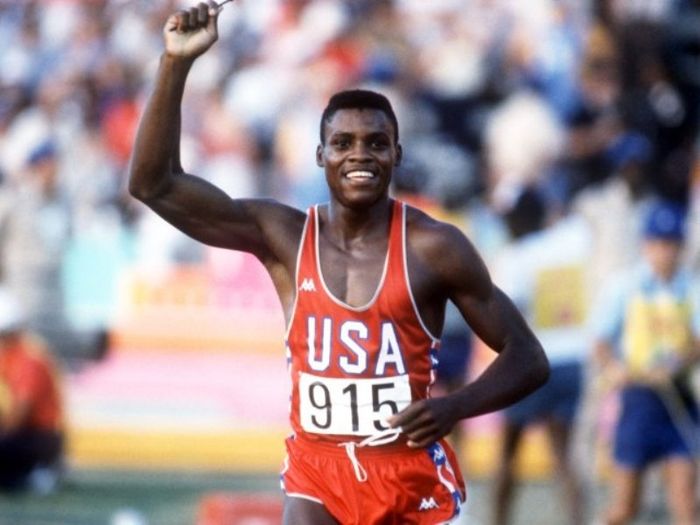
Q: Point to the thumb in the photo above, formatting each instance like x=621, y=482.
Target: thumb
x=214, y=10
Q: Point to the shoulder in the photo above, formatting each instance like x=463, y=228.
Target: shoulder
x=428, y=234
x=445, y=249
x=280, y=225
x=281, y=230
x=275, y=214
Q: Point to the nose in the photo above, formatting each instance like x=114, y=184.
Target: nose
x=360, y=151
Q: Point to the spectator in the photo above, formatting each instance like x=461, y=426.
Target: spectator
x=543, y=269
x=35, y=225
x=31, y=411
x=647, y=332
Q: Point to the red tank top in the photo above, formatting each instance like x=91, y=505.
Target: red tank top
x=353, y=367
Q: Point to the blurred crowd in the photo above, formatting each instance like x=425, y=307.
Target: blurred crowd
x=590, y=106
x=493, y=96
x=573, y=98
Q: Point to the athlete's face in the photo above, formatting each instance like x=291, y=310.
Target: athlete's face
x=359, y=156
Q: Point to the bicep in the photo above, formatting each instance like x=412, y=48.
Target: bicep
x=490, y=313
x=209, y=215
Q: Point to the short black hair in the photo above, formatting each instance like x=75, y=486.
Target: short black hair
x=358, y=99
x=527, y=214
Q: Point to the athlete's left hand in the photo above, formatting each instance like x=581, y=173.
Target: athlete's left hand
x=426, y=421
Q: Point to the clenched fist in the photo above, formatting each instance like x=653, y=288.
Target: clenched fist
x=189, y=33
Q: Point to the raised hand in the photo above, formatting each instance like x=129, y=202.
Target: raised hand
x=189, y=33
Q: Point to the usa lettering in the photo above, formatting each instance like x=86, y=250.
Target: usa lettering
x=351, y=352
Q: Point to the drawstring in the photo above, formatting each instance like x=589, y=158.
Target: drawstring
x=380, y=438
x=360, y=472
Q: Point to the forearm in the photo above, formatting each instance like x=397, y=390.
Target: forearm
x=521, y=365
x=517, y=371
x=156, y=150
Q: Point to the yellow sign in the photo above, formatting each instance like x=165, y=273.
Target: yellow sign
x=657, y=332
x=560, y=299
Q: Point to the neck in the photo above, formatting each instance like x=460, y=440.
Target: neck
x=346, y=225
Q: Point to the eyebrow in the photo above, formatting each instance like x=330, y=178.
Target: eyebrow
x=371, y=135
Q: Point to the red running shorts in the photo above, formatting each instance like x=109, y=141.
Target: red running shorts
x=389, y=484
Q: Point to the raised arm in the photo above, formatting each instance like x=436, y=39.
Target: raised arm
x=457, y=272
x=196, y=207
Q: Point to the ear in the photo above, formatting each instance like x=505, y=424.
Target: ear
x=319, y=155
x=399, y=155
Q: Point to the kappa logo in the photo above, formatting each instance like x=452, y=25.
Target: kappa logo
x=427, y=504
x=307, y=285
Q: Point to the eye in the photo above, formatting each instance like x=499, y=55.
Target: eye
x=378, y=141
x=340, y=143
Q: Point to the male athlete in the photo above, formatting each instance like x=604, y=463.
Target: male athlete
x=363, y=281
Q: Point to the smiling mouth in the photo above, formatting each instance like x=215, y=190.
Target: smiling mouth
x=360, y=175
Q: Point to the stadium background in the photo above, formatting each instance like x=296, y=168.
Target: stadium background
x=190, y=395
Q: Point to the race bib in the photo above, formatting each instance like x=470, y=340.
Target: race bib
x=348, y=406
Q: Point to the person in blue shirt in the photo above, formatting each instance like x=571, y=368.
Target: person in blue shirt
x=647, y=343
x=543, y=269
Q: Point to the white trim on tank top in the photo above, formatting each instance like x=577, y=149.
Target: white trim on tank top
x=404, y=257
x=302, y=241
x=319, y=270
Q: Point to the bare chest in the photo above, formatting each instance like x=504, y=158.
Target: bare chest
x=353, y=275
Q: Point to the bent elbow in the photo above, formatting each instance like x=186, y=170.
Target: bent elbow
x=543, y=370
x=135, y=191
x=141, y=186
x=136, y=187
x=540, y=369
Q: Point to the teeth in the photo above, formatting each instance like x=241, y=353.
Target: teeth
x=360, y=175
